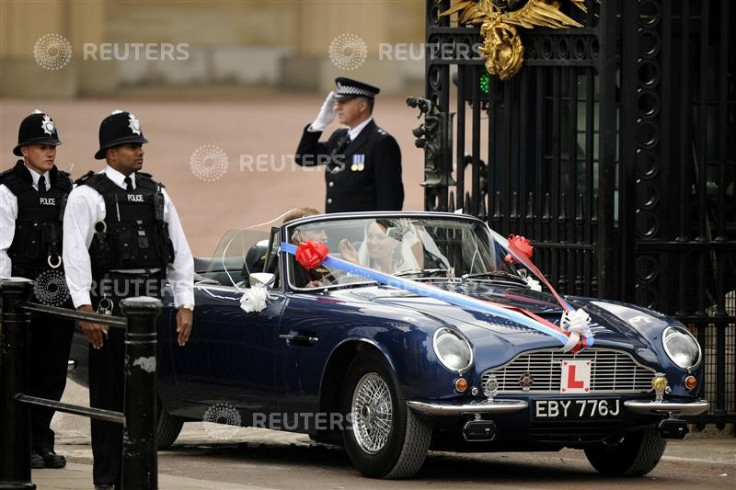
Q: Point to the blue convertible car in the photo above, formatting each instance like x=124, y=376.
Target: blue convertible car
x=394, y=333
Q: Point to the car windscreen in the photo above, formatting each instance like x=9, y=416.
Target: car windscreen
x=404, y=246
x=239, y=253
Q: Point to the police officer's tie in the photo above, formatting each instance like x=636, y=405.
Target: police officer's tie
x=342, y=144
x=128, y=183
x=42, y=185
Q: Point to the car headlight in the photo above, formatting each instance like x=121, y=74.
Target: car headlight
x=681, y=347
x=453, y=350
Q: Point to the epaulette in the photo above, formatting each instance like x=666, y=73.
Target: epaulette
x=5, y=174
x=61, y=180
x=83, y=179
x=146, y=178
x=10, y=177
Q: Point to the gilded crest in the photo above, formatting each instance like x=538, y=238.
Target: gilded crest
x=502, y=47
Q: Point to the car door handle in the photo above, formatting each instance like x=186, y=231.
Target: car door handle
x=299, y=337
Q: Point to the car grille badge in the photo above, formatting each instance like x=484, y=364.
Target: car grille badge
x=526, y=380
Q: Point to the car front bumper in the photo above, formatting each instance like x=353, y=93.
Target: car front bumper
x=506, y=406
x=664, y=407
x=493, y=407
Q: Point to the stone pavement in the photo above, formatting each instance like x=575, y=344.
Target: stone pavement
x=72, y=432
x=78, y=476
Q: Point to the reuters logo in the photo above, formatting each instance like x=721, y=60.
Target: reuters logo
x=348, y=51
x=50, y=288
x=208, y=163
x=52, y=51
x=221, y=421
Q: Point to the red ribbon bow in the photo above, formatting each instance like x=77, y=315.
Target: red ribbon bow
x=522, y=245
x=310, y=254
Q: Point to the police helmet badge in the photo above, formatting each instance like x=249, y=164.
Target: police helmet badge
x=134, y=124
x=48, y=125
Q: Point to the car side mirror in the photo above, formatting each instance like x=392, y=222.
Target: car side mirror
x=263, y=278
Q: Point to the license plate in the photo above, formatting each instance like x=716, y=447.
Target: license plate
x=577, y=409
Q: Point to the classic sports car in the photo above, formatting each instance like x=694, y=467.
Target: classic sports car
x=394, y=333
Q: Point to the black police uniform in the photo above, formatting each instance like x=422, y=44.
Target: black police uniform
x=35, y=253
x=360, y=175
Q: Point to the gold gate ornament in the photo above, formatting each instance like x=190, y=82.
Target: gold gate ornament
x=502, y=48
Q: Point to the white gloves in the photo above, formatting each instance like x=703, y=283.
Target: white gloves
x=326, y=114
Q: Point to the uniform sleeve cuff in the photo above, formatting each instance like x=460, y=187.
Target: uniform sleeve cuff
x=81, y=298
x=184, y=299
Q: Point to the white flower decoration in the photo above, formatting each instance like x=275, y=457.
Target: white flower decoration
x=254, y=299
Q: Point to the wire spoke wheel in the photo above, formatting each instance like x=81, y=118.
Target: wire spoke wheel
x=372, y=413
x=384, y=439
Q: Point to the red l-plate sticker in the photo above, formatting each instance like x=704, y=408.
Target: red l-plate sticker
x=575, y=377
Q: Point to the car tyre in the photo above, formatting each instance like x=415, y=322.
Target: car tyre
x=383, y=438
x=168, y=429
x=636, y=455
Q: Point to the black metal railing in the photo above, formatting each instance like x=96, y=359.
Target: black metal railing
x=139, y=458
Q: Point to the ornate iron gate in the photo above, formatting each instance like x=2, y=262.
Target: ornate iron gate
x=613, y=149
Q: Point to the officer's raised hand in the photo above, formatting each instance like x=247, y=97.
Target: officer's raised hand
x=93, y=331
x=326, y=114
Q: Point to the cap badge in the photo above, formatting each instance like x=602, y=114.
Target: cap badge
x=135, y=125
x=48, y=125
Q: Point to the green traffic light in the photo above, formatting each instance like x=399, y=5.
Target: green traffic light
x=485, y=83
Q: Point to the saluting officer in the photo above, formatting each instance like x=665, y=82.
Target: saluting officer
x=363, y=162
x=32, y=194
x=122, y=238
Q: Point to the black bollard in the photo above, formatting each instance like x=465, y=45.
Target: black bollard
x=15, y=432
x=140, y=463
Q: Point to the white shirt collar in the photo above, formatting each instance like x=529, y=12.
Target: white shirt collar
x=353, y=133
x=118, y=178
x=36, y=176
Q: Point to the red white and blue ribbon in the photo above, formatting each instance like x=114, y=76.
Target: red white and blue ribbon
x=570, y=339
x=576, y=323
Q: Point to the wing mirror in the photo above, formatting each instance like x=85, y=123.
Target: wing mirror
x=263, y=278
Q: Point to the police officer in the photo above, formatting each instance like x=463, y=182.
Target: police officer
x=32, y=194
x=363, y=162
x=122, y=238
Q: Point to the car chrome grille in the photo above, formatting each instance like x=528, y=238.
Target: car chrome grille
x=611, y=371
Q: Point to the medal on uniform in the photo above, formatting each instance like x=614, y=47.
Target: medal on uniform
x=358, y=163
